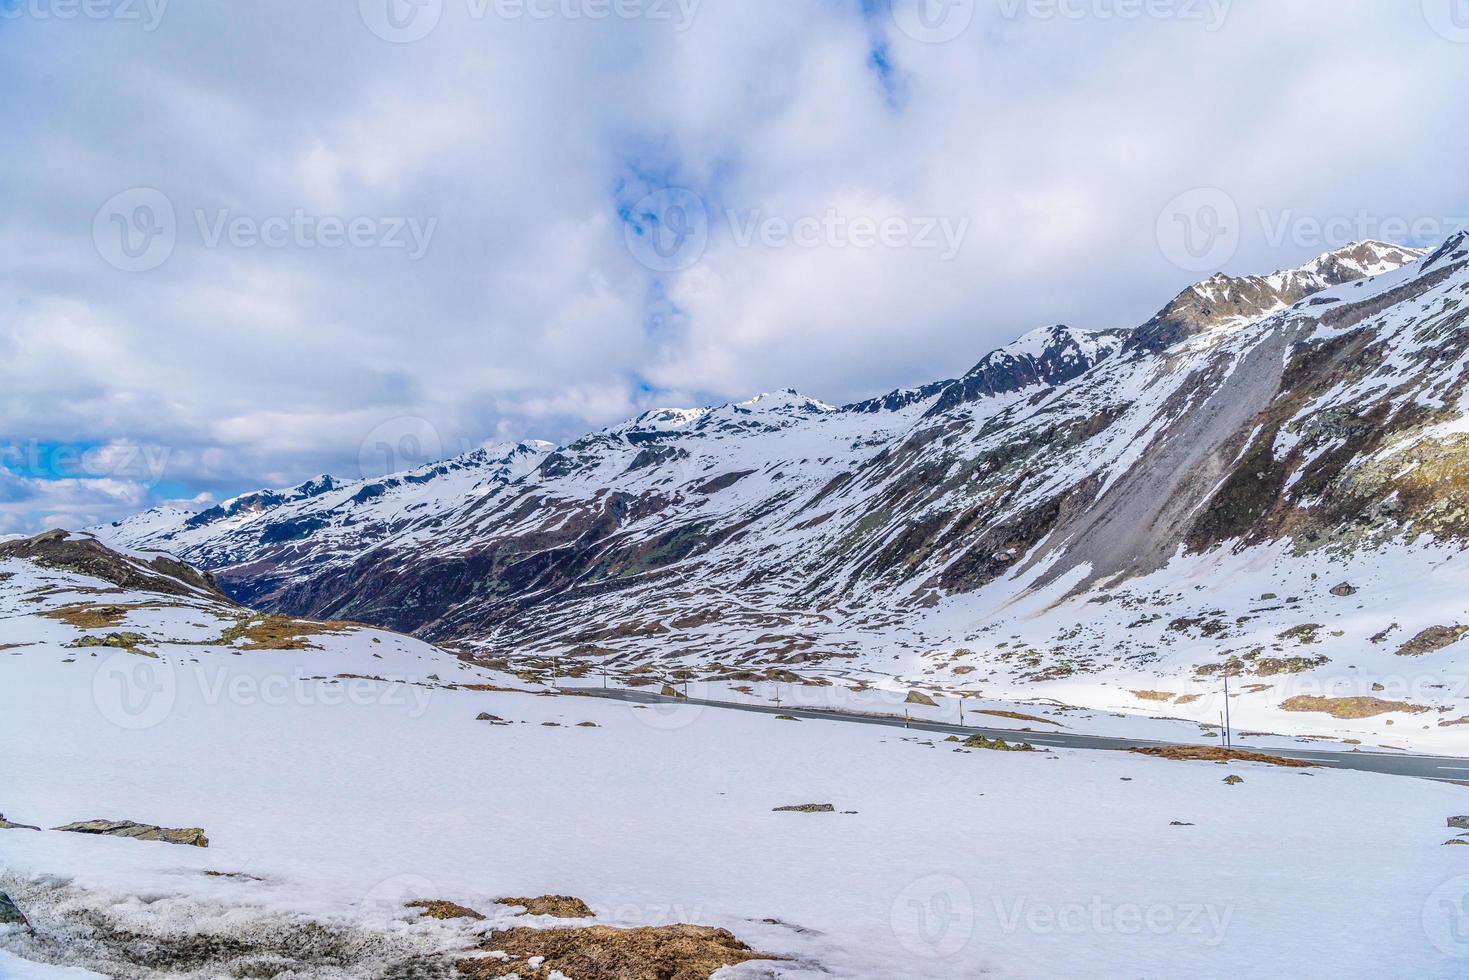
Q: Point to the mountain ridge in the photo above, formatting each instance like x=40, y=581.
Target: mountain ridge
x=788, y=534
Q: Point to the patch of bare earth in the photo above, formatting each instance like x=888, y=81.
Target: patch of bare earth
x=89, y=617
x=559, y=906
x=272, y=632
x=1214, y=753
x=446, y=911
x=1017, y=716
x=678, y=952
x=1351, y=708
x=1153, y=695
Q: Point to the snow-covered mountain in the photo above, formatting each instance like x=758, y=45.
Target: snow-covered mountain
x=1081, y=510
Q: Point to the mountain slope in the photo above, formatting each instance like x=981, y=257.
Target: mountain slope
x=887, y=537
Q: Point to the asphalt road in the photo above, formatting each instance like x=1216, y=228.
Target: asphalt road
x=1440, y=767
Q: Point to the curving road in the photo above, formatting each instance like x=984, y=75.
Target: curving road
x=1441, y=767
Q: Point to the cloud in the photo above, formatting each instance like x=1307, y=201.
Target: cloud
x=1053, y=133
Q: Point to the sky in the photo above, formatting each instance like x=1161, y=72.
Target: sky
x=246, y=243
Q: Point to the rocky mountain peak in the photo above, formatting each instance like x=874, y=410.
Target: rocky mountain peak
x=1222, y=300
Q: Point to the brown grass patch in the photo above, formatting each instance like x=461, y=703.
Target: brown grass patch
x=1017, y=716
x=440, y=909
x=1214, y=753
x=918, y=697
x=1349, y=708
x=1154, y=695
x=90, y=617
x=1188, y=698
x=679, y=952
x=558, y=906
x=272, y=632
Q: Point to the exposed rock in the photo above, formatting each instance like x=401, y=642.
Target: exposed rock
x=493, y=719
x=117, y=641
x=1459, y=823
x=1431, y=639
x=1180, y=823
x=190, y=836
x=557, y=906
x=10, y=913
x=807, y=808
x=7, y=825
x=996, y=744
x=1344, y=590
x=85, y=555
x=680, y=952
x=440, y=909
x=1233, y=780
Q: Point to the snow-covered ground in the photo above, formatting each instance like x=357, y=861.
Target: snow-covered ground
x=335, y=801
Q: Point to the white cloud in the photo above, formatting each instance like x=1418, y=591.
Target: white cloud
x=1057, y=140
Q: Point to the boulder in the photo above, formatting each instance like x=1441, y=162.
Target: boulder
x=10, y=913
x=806, y=808
x=190, y=836
x=7, y=825
x=1459, y=823
x=1344, y=590
x=1432, y=639
x=996, y=744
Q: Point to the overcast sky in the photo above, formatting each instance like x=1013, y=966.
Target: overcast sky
x=249, y=241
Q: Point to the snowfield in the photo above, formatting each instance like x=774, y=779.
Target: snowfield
x=338, y=783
